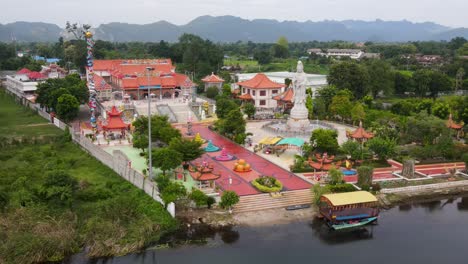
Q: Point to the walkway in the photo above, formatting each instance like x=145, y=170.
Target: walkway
x=241, y=181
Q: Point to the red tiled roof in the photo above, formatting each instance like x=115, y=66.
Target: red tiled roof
x=287, y=96
x=260, y=81
x=100, y=84
x=246, y=97
x=360, y=133
x=36, y=75
x=23, y=71
x=204, y=176
x=212, y=79
x=114, y=121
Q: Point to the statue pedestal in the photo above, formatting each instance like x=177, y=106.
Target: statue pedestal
x=299, y=118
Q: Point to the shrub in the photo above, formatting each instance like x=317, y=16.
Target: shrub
x=365, y=187
x=376, y=187
x=228, y=199
x=336, y=176
x=210, y=201
x=341, y=188
x=199, y=197
x=172, y=192
x=267, y=184
x=212, y=92
x=365, y=176
x=318, y=191
x=465, y=160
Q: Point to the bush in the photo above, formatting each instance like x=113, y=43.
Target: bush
x=465, y=160
x=228, y=199
x=341, y=188
x=336, y=176
x=318, y=191
x=267, y=184
x=210, y=201
x=365, y=176
x=376, y=187
x=199, y=197
x=212, y=92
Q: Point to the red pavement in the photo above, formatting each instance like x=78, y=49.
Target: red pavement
x=240, y=181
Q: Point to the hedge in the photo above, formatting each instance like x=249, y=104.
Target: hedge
x=341, y=188
x=277, y=185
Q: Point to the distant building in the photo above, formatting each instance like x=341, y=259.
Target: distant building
x=53, y=71
x=429, y=60
x=313, y=81
x=341, y=53
x=213, y=81
x=131, y=76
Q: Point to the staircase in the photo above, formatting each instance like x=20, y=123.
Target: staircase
x=181, y=113
x=265, y=201
x=164, y=109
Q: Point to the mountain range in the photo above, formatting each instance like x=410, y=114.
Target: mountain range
x=232, y=29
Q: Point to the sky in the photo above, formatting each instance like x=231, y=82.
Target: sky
x=453, y=13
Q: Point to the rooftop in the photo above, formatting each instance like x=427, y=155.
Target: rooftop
x=339, y=199
x=260, y=81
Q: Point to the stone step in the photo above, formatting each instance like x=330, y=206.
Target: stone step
x=265, y=201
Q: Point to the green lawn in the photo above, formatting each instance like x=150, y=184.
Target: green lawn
x=56, y=199
x=18, y=121
x=242, y=63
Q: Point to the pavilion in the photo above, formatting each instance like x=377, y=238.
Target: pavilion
x=284, y=100
x=114, y=122
x=213, y=80
x=457, y=127
x=360, y=134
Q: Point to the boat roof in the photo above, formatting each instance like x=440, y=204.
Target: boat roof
x=339, y=199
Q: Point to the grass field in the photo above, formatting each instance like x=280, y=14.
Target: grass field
x=56, y=199
x=20, y=121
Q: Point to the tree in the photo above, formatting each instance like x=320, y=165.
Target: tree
x=67, y=107
x=279, y=51
x=283, y=42
x=459, y=79
x=262, y=56
x=351, y=148
x=233, y=126
x=381, y=77
x=326, y=94
x=336, y=176
x=249, y=109
x=349, y=75
x=365, y=174
x=403, y=83
x=310, y=106
x=166, y=159
x=189, y=149
x=212, y=92
x=423, y=128
x=229, y=199
x=357, y=112
x=318, y=191
x=325, y=140
x=422, y=82
x=172, y=192
x=440, y=82
x=224, y=106
x=341, y=106
x=383, y=148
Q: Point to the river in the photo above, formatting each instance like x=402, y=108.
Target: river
x=431, y=232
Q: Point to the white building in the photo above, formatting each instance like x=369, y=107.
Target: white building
x=260, y=90
x=355, y=54
x=313, y=81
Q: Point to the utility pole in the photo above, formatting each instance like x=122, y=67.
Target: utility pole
x=150, y=161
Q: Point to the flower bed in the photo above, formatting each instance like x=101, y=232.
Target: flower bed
x=267, y=184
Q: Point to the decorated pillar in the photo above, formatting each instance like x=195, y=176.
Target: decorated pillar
x=90, y=78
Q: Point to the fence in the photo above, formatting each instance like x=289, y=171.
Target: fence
x=117, y=161
x=427, y=187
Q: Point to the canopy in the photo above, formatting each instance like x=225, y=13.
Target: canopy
x=339, y=199
x=270, y=140
x=291, y=141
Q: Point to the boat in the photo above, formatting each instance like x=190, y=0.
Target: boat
x=349, y=210
x=297, y=207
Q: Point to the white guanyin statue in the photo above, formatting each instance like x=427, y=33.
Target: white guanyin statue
x=299, y=113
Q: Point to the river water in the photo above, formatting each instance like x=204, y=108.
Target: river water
x=431, y=232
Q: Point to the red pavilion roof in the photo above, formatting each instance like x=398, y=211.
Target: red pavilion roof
x=360, y=133
x=451, y=124
x=114, y=121
x=212, y=79
x=260, y=81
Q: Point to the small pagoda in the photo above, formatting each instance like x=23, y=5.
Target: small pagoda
x=360, y=134
x=457, y=127
x=114, y=122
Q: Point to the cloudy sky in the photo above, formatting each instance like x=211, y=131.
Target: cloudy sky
x=447, y=12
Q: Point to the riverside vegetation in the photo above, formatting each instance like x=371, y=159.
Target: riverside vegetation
x=56, y=200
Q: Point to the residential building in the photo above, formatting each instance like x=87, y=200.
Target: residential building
x=341, y=53
x=260, y=90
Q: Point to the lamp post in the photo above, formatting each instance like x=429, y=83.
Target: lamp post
x=150, y=161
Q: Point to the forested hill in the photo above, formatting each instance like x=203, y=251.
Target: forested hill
x=232, y=29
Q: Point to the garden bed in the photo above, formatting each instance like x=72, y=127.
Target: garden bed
x=267, y=184
x=404, y=183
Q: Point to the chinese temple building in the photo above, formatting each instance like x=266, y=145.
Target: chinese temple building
x=360, y=134
x=454, y=126
x=261, y=89
x=213, y=81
